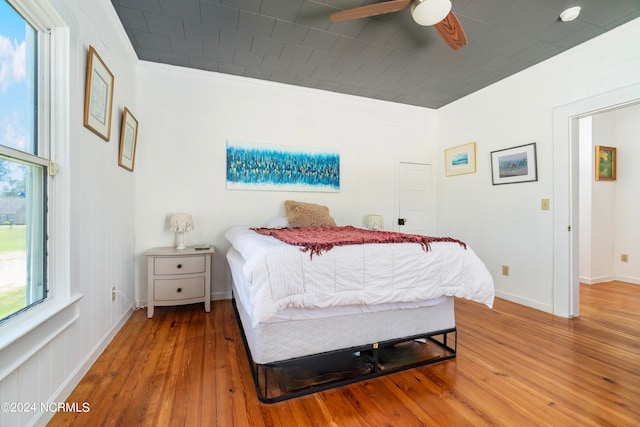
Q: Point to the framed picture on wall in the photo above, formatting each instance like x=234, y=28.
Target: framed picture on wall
x=460, y=159
x=513, y=165
x=255, y=166
x=128, y=140
x=605, y=163
x=98, y=96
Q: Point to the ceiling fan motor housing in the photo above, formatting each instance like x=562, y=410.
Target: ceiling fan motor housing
x=429, y=12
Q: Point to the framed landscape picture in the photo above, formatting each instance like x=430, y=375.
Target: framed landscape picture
x=605, y=163
x=461, y=159
x=513, y=165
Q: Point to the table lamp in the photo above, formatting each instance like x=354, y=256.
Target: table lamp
x=180, y=223
x=375, y=222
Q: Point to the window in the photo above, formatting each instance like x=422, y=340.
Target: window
x=23, y=165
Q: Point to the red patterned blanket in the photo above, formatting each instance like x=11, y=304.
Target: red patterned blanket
x=319, y=239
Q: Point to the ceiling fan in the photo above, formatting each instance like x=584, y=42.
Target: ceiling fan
x=425, y=12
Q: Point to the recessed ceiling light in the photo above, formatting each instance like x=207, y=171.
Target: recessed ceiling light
x=570, y=14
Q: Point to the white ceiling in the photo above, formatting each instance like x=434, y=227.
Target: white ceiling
x=388, y=57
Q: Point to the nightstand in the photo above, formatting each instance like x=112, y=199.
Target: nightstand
x=178, y=277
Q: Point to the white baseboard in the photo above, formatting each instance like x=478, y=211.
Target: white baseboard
x=604, y=279
x=65, y=389
x=215, y=296
x=524, y=301
x=628, y=279
x=220, y=295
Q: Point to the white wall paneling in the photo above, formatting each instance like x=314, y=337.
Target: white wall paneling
x=97, y=206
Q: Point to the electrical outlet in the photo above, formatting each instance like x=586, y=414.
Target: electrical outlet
x=113, y=293
x=505, y=270
x=624, y=258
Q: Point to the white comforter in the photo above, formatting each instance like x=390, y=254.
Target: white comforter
x=282, y=276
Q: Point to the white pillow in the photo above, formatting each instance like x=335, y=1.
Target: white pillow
x=251, y=244
x=278, y=222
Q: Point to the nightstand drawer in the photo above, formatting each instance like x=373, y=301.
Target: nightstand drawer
x=178, y=289
x=179, y=265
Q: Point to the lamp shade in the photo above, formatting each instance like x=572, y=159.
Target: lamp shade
x=180, y=222
x=430, y=12
x=375, y=222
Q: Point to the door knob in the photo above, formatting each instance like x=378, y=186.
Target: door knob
x=402, y=221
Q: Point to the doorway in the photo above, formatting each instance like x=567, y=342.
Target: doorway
x=566, y=287
x=609, y=208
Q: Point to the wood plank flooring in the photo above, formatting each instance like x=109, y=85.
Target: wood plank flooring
x=515, y=367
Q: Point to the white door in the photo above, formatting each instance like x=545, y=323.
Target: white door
x=416, y=210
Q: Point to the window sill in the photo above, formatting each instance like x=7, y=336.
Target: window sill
x=23, y=336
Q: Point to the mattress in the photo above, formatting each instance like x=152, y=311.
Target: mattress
x=282, y=276
x=316, y=331
x=242, y=293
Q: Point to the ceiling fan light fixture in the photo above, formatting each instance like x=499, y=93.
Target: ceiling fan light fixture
x=570, y=14
x=430, y=12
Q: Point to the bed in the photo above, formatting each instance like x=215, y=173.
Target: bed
x=319, y=317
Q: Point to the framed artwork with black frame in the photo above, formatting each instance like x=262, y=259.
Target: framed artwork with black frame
x=514, y=165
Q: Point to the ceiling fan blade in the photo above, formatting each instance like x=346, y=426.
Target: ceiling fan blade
x=451, y=32
x=370, y=10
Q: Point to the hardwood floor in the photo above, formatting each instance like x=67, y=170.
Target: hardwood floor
x=515, y=367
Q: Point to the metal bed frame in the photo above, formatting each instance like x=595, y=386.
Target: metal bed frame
x=346, y=366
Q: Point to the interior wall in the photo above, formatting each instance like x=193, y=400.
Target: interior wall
x=619, y=128
x=100, y=211
x=627, y=232
x=608, y=209
x=586, y=178
x=188, y=115
x=603, y=206
x=505, y=223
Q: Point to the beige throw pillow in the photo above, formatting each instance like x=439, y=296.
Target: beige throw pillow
x=302, y=214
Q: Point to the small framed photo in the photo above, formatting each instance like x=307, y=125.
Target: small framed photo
x=461, y=159
x=605, y=163
x=128, y=140
x=513, y=165
x=98, y=96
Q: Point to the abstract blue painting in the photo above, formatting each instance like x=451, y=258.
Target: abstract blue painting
x=272, y=167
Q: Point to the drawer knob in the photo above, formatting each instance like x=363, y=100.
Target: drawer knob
x=179, y=265
x=179, y=290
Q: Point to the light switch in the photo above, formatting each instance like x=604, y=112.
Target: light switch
x=544, y=205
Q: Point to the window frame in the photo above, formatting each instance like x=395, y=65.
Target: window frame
x=24, y=334
x=38, y=153
x=38, y=225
